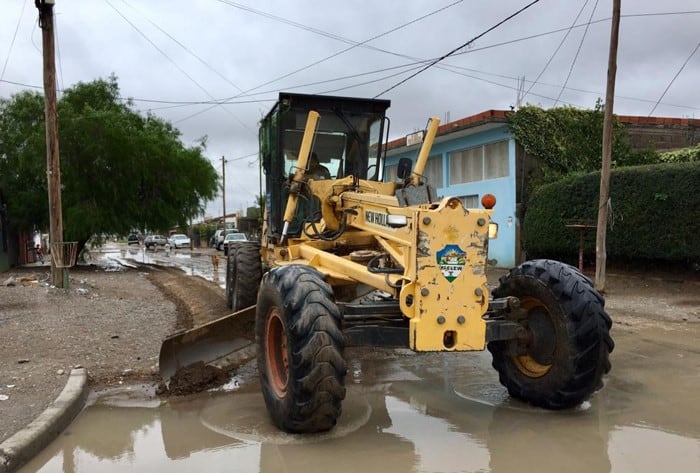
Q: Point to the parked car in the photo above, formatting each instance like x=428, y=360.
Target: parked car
x=219, y=237
x=232, y=237
x=179, y=240
x=154, y=241
x=133, y=239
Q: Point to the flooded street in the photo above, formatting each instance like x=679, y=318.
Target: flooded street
x=412, y=412
x=193, y=263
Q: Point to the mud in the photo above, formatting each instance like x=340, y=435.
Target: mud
x=195, y=378
x=414, y=412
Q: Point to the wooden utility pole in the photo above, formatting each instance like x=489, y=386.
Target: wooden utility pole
x=223, y=190
x=600, y=244
x=53, y=161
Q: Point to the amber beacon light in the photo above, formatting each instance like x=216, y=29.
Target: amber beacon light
x=488, y=201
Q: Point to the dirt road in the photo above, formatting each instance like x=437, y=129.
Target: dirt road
x=113, y=321
x=110, y=321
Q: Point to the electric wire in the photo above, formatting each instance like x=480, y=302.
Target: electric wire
x=578, y=51
x=431, y=64
x=481, y=72
x=178, y=67
x=359, y=84
x=675, y=77
x=189, y=51
x=12, y=43
x=561, y=43
x=520, y=39
x=353, y=44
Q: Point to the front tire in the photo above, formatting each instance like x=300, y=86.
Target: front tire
x=300, y=350
x=243, y=274
x=562, y=360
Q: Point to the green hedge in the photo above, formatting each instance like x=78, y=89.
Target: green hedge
x=655, y=214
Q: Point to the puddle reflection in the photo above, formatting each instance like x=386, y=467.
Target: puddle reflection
x=423, y=413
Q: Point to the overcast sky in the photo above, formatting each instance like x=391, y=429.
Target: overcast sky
x=247, y=51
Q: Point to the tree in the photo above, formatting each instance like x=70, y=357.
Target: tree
x=567, y=140
x=120, y=170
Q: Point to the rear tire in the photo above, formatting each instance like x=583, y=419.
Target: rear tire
x=243, y=274
x=567, y=352
x=300, y=350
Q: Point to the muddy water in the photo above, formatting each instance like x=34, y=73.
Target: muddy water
x=193, y=263
x=406, y=412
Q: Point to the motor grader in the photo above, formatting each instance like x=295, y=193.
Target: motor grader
x=357, y=259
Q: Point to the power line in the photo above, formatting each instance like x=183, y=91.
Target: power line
x=163, y=53
x=240, y=158
x=222, y=101
x=674, y=78
x=559, y=30
x=561, y=43
x=177, y=66
x=578, y=51
x=457, y=49
x=12, y=43
x=245, y=94
x=205, y=63
x=353, y=44
x=371, y=81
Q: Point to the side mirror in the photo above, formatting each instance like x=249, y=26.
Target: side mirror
x=404, y=169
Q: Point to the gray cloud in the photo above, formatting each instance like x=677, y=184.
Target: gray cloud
x=249, y=49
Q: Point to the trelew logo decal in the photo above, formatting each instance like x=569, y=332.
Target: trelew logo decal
x=451, y=260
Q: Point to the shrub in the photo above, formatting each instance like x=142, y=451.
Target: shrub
x=655, y=214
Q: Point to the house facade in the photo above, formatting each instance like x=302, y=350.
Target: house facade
x=478, y=155
x=472, y=157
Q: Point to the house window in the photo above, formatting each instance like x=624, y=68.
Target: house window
x=390, y=173
x=432, y=174
x=496, y=160
x=470, y=201
x=477, y=164
x=433, y=171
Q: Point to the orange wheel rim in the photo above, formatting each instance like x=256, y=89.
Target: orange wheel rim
x=276, y=352
x=525, y=363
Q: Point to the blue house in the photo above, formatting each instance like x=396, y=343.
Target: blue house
x=472, y=157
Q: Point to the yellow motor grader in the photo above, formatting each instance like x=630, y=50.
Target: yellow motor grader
x=348, y=257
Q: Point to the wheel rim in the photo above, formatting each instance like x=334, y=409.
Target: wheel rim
x=276, y=352
x=541, y=340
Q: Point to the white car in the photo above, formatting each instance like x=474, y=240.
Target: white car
x=233, y=237
x=179, y=240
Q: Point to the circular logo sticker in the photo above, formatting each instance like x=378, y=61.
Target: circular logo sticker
x=451, y=260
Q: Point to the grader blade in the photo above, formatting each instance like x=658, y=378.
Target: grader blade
x=211, y=343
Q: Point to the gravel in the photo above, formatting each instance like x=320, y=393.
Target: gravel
x=111, y=323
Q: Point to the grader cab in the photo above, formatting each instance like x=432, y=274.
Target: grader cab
x=350, y=258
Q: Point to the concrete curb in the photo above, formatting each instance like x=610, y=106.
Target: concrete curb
x=28, y=442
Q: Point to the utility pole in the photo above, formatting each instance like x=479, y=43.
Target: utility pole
x=53, y=161
x=223, y=190
x=600, y=244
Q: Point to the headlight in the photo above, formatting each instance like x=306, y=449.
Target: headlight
x=493, y=231
x=396, y=221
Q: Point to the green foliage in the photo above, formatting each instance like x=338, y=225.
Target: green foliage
x=681, y=156
x=119, y=170
x=568, y=140
x=655, y=214
x=205, y=231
